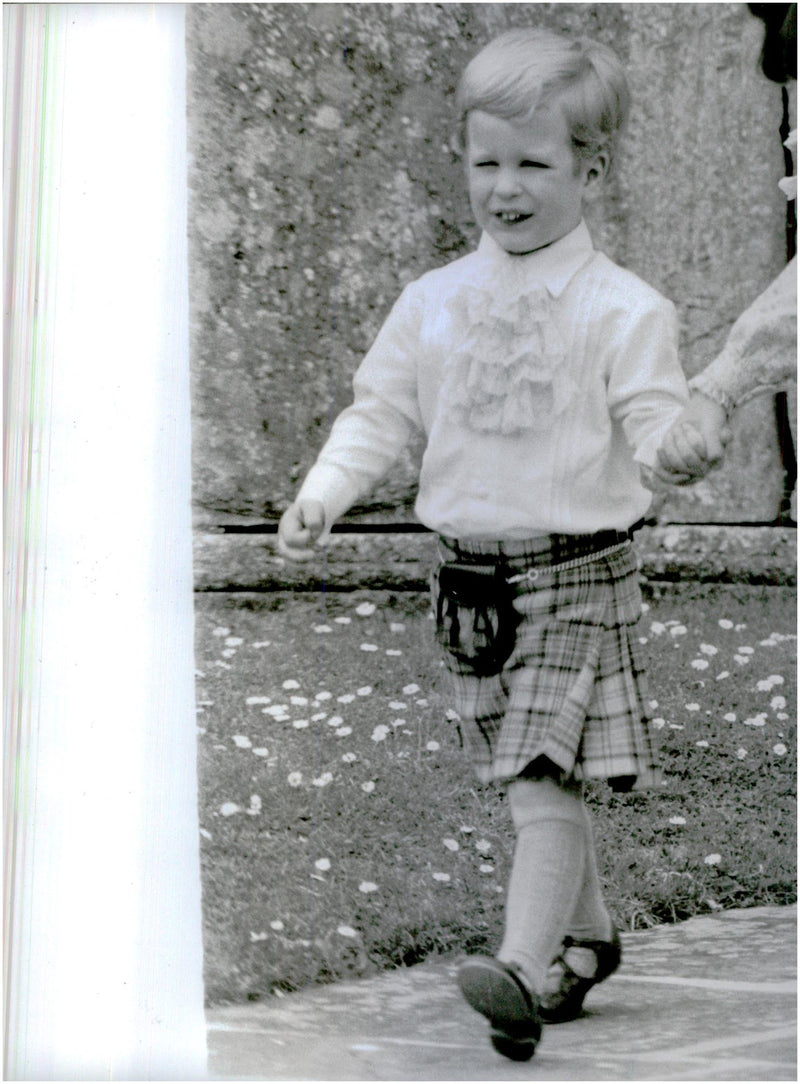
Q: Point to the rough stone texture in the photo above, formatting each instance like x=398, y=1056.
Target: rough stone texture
x=249, y=562
x=713, y=998
x=323, y=180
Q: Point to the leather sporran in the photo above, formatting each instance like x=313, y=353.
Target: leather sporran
x=476, y=622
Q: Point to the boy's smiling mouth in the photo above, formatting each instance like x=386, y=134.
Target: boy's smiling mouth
x=511, y=218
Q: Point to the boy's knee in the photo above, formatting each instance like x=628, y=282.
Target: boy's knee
x=544, y=799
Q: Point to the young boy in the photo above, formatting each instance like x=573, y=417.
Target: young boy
x=543, y=377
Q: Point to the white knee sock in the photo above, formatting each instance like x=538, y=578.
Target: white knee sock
x=547, y=874
x=590, y=920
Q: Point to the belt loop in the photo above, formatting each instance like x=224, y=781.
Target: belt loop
x=637, y=526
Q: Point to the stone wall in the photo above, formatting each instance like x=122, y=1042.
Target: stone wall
x=323, y=180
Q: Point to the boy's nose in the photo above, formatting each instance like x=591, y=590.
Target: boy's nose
x=507, y=183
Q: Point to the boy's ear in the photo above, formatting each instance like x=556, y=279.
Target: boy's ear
x=597, y=169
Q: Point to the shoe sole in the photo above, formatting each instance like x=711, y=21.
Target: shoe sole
x=513, y=1049
x=494, y=992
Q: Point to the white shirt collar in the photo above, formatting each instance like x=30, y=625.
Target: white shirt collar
x=553, y=266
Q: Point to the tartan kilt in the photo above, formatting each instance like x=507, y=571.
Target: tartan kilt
x=573, y=689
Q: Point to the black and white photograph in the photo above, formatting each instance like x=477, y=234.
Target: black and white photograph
x=400, y=541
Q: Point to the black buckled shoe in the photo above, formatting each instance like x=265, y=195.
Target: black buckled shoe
x=500, y=993
x=566, y=1001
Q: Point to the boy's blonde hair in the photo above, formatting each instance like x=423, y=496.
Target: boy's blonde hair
x=521, y=69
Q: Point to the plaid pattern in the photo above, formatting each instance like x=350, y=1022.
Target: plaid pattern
x=574, y=688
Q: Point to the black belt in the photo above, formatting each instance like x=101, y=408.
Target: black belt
x=548, y=550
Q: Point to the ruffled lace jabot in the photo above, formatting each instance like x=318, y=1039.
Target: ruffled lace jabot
x=506, y=373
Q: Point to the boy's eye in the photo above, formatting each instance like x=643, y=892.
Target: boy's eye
x=529, y=163
x=483, y=162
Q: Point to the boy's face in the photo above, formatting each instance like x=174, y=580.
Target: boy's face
x=526, y=185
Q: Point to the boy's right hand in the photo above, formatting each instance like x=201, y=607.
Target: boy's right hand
x=300, y=527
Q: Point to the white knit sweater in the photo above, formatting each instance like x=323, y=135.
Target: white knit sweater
x=539, y=381
x=760, y=353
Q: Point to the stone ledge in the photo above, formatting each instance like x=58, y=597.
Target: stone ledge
x=401, y=562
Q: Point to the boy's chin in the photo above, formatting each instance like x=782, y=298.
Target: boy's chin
x=522, y=248
x=521, y=245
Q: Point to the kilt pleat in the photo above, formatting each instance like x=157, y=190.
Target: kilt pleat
x=574, y=688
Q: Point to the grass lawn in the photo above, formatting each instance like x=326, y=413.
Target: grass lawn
x=342, y=829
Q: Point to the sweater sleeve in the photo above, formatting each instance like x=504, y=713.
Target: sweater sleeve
x=368, y=436
x=760, y=353
x=646, y=385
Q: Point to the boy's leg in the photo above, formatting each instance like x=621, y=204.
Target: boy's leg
x=591, y=950
x=590, y=920
x=548, y=873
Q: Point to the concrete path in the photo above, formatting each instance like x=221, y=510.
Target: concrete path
x=709, y=999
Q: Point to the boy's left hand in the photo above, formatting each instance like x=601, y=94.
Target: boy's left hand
x=680, y=459
x=694, y=444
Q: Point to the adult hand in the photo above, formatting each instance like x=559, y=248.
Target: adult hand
x=300, y=527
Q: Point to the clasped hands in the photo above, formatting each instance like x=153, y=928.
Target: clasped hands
x=695, y=443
